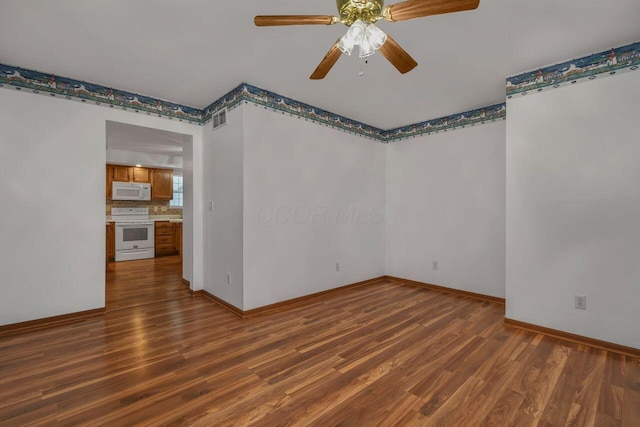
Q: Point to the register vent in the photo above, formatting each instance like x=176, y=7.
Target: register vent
x=219, y=119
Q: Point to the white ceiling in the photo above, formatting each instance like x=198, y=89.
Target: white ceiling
x=194, y=51
x=122, y=136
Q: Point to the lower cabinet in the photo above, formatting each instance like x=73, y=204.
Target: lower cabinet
x=111, y=241
x=168, y=237
x=178, y=237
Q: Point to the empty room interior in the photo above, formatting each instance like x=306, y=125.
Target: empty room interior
x=418, y=212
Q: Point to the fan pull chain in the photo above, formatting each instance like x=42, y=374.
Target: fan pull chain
x=361, y=72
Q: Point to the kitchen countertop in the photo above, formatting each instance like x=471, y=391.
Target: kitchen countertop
x=170, y=218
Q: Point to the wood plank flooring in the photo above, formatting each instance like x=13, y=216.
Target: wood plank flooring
x=381, y=354
x=134, y=283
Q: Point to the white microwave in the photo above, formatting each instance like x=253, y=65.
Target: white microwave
x=130, y=191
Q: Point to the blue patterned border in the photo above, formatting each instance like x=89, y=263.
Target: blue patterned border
x=71, y=89
x=625, y=58
x=275, y=102
x=457, y=121
x=229, y=101
x=63, y=87
x=279, y=103
x=610, y=62
x=284, y=105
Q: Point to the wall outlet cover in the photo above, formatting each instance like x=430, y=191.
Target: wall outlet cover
x=580, y=302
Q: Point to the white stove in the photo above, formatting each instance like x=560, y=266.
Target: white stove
x=134, y=234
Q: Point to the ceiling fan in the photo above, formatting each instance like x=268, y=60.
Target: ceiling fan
x=360, y=16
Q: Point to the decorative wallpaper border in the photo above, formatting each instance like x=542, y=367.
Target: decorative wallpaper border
x=279, y=103
x=478, y=116
x=606, y=63
x=71, y=89
x=282, y=104
x=228, y=101
x=77, y=90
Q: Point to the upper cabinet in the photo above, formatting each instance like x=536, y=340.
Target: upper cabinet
x=161, y=184
x=141, y=175
x=109, y=180
x=161, y=179
x=122, y=173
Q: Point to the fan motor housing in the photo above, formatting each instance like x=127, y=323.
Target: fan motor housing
x=364, y=10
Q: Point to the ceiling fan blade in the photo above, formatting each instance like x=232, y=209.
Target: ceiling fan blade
x=273, y=20
x=420, y=8
x=327, y=62
x=397, y=56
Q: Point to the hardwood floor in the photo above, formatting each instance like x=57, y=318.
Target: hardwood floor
x=382, y=354
x=146, y=281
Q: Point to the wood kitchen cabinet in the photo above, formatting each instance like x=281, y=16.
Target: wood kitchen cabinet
x=109, y=180
x=165, y=238
x=128, y=174
x=161, y=184
x=161, y=180
x=111, y=241
x=122, y=173
x=177, y=239
x=142, y=175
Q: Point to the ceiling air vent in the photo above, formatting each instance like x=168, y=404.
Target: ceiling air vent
x=219, y=119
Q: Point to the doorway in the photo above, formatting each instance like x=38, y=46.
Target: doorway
x=141, y=282
x=161, y=159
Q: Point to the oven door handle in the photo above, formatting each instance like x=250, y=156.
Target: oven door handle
x=139, y=224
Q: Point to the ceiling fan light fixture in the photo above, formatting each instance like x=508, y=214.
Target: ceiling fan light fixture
x=366, y=48
x=346, y=45
x=353, y=37
x=375, y=36
x=365, y=35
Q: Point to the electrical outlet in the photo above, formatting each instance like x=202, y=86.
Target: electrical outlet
x=228, y=278
x=436, y=265
x=580, y=302
x=337, y=266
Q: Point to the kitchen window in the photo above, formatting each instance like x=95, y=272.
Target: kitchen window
x=178, y=191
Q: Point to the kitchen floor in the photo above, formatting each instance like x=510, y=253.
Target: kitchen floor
x=147, y=281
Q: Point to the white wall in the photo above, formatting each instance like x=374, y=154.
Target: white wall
x=445, y=203
x=313, y=196
x=223, y=185
x=52, y=229
x=193, y=225
x=573, y=208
